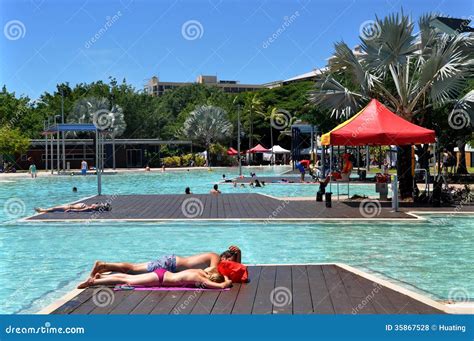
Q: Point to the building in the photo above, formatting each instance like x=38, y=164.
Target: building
x=156, y=87
x=129, y=153
x=452, y=26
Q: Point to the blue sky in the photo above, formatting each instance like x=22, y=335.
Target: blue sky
x=52, y=41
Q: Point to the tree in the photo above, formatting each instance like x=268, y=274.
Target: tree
x=408, y=72
x=101, y=113
x=207, y=124
x=12, y=141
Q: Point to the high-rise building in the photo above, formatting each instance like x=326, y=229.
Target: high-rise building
x=156, y=87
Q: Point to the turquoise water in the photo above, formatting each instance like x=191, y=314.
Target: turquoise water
x=39, y=262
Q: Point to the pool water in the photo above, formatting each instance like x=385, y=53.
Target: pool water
x=39, y=262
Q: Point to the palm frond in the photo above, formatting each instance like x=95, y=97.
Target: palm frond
x=332, y=95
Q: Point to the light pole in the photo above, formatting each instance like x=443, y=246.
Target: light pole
x=57, y=142
x=238, y=140
x=62, y=133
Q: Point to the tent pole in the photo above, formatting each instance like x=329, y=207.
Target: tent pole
x=330, y=169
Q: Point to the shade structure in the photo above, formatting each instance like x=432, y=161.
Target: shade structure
x=279, y=150
x=232, y=152
x=376, y=125
x=258, y=149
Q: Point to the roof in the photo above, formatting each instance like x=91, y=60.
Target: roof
x=376, y=125
x=258, y=149
x=70, y=127
x=452, y=25
x=279, y=150
x=303, y=76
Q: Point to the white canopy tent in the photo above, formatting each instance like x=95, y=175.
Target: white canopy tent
x=276, y=150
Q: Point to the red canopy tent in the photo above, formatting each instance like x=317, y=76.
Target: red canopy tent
x=258, y=149
x=232, y=152
x=376, y=125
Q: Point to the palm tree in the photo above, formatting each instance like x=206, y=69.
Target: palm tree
x=99, y=111
x=279, y=119
x=409, y=72
x=253, y=105
x=207, y=124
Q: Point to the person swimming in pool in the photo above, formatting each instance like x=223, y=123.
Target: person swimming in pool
x=171, y=263
x=80, y=207
x=215, y=190
x=208, y=278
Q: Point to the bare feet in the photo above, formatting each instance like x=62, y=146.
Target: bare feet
x=98, y=267
x=87, y=283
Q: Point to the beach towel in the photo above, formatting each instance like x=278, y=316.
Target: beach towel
x=142, y=288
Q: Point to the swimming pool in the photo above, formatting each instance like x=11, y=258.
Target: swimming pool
x=39, y=262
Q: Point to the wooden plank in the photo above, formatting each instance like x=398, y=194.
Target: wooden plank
x=118, y=297
x=247, y=292
x=361, y=302
x=225, y=301
x=320, y=295
x=205, y=303
x=166, y=305
x=75, y=302
x=380, y=302
x=339, y=297
x=149, y=302
x=126, y=306
x=282, y=297
x=302, y=302
x=266, y=284
x=186, y=303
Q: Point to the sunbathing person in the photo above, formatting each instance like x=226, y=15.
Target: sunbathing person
x=80, y=207
x=208, y=278
x=171, y=263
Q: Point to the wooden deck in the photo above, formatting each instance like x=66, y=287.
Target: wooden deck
x=283, y=289
x=206, y=206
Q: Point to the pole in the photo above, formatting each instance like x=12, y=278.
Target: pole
x=58, y=152
x=271, y=142
x=52, y=153
x=97, y=166
x=395, y=193
x=46, y=146
x=238, y=141
x=62, y=133
x=113, y=151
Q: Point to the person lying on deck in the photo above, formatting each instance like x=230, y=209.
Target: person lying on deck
x=171, y=263
x=208, y=278
x=80, y=207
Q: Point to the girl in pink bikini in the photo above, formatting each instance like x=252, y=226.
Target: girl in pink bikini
x=208, y=278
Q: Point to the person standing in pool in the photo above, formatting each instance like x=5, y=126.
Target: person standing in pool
x=32, y=170
x=171, y=263
x=187, y=190
x=84, y=167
